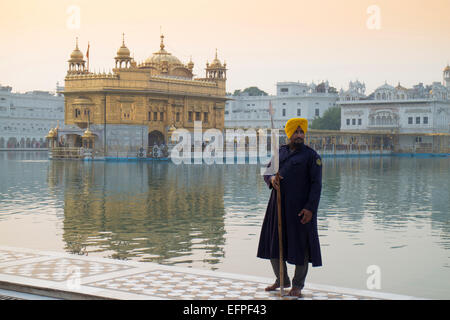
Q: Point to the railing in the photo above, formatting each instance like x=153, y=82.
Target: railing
x=66, y=153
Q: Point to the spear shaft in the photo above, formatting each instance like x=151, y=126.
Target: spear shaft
x=280, y=224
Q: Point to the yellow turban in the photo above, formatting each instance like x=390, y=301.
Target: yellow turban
x=292, y=125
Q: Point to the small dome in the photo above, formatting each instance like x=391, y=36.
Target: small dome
x=216, y=62
x=190, y=64
x=447, y=68
x=76, y=54
x=88, y=134
x=123, y=51
x=51, y=134
x=399, y=87
x=385, y=87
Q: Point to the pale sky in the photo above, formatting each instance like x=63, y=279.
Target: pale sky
x=262, y=41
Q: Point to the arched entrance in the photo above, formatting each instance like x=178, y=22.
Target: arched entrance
x=12, y=143
x=155, y=137
x=70, y=140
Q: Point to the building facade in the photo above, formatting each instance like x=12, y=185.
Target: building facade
x=293, y=99
x=137, y=105
x=26, y=118
x=416, y=115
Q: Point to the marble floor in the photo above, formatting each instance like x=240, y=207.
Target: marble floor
x=68, y=276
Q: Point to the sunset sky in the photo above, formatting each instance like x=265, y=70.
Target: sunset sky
x=262, y=41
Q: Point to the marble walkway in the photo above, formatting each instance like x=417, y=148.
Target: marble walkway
x=68, y=276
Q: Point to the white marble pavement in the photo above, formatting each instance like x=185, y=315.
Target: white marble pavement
x=68, y=276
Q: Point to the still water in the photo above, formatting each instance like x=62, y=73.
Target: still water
x=389, y=212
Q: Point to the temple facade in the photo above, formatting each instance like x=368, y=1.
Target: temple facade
x=138, y=105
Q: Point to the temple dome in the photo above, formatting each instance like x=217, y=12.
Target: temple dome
x=163, y=56
x=123, y=51
x=76, y=54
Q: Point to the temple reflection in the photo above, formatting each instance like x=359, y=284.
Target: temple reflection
x=149, y=211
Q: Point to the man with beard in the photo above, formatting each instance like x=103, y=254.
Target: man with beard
x=300, y=180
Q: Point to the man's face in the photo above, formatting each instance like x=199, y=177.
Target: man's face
x=298, y=136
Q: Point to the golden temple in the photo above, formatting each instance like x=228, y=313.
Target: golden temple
x=138, y=105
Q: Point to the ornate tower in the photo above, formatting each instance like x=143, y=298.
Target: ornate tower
x=77, y=64
x=447, y=77
x=216, y=70
x=123, y=58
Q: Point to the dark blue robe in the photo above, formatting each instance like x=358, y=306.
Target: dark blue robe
x=300, y=189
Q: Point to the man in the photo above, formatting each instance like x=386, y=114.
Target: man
x=300, y=171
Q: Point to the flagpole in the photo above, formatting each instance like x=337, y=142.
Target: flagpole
x=280, y=225
x=87, y=56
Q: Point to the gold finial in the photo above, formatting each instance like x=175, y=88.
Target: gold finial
x=162, y=42
x=216, y=53
x=76, y=44
x=123, y=39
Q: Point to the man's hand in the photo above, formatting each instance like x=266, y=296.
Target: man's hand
x=275, y=182
x=307, y=215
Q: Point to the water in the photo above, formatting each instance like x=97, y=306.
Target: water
x=389, y=212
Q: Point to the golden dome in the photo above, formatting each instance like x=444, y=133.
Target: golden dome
x=163, y=56
x=447, y=68
x=51, y=134
x=123, y=51
x=216, y=62
x=76, y=54
x=88, y=134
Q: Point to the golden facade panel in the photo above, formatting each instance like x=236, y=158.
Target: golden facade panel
x=159, y=93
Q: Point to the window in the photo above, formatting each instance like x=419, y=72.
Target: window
x=284, y=90
x=425, y=120
x=155, y=116
x=419, y=139
x=353, y=122
x=190, y=116
x=77, y=113
x=205, y=116
x=161, y=116
x=417, y=120
x=410, y=120
x=359, y=122
x=178, y=117
x=299, y=112
x=317, y=112
x=149, y=116
x=284, y=112
x=348, y=122
x=197, y=116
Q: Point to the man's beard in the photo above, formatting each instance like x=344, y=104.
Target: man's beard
x=297, y=143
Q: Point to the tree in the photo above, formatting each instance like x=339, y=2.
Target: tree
x=251, y=91
x=331, y=120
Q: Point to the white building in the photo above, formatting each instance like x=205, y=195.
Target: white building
x=26, y=118
x=293, y=99
x=416, y=113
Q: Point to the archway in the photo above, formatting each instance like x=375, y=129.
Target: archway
x=155, y=137
x=71, y=140
x=12, y=143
